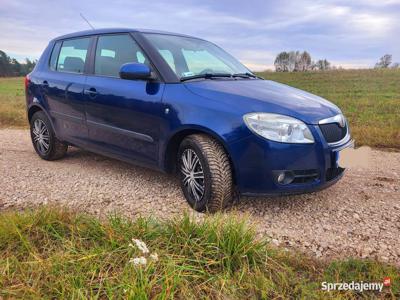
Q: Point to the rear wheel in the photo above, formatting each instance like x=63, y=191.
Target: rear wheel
x=205, y=173
x=46, y=145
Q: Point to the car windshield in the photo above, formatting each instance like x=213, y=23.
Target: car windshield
x=190, y=57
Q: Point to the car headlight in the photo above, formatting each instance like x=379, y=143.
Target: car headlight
x=279, y=128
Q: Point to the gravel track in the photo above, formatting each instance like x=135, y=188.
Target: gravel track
x=358, y=217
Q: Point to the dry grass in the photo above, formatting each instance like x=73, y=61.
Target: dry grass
x=12, y=102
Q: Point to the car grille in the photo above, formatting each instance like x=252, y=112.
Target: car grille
x=333, y=132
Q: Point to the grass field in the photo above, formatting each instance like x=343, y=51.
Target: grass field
x=51, y=253
x=12, y=102
x=369, y=98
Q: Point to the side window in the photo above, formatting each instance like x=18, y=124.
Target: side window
x=54, y=56
x=73, y=55
x=115, y=50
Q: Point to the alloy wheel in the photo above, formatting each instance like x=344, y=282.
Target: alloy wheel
x=193, y=175
x=41, y=136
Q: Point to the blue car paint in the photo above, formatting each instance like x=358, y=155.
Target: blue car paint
x=124, y=117
x=140, y=70
x=136, y=120
x=266, y=95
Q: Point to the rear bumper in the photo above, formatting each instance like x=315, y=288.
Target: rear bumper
x=257, y=161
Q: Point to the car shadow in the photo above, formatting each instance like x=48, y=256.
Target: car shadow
x=254, y=205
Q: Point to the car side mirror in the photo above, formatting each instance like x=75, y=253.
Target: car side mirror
x=134, y=71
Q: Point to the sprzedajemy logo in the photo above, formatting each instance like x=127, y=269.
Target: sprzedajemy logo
x=356, y=286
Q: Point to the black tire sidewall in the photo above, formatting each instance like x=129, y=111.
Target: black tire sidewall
x=201, y=205
x=42, y=116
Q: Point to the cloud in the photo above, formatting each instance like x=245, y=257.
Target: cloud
x=373, y=24
x=350, y=33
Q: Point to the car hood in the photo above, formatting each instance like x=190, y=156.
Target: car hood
x=249, y=95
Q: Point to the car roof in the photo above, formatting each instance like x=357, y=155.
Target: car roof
x=114, y=30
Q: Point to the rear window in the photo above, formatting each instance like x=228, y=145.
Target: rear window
x=72, y=55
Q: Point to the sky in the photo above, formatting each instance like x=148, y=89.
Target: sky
x=351, y=34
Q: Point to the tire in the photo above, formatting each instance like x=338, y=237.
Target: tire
x=46, y=145
x=205, y=173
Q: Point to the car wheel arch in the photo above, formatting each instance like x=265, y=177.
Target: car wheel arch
x=37, y=107
x=172, y=146
x=32, y=110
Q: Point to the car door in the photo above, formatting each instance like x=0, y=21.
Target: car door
x=123, y=116
x=63, y=89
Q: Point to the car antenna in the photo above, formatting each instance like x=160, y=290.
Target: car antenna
x=83, y=17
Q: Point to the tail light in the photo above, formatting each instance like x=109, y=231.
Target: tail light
x=27, y=81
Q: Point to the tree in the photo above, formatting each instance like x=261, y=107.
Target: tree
x=395, y=65
x=282, y=62
x=5, y=65
x=384, y=62
x=16, y=67
x=294, y=61
x=323, y=65
x=29, y=65
x=12, y=67
x=313, y=66
x=304, y=62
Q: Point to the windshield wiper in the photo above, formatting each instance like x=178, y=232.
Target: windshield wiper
x=216, y=75
x=206, y=76
x=245, y=75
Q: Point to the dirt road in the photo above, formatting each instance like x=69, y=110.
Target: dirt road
x=359, y=216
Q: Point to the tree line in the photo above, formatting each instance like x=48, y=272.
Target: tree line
x=10, y=67
x=292, y=61
x=297, y=61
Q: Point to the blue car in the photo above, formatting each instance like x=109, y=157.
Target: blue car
x=183, y=105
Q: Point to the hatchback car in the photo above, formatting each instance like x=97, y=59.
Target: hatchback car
x=181, y=104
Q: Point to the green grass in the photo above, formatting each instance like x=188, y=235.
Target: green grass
x=370, y=99
x=57, y=254
x=12, y=102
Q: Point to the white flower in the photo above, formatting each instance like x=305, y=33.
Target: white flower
x=154, y=256
x=138, y=260
x=141, y=246
x=142, y=260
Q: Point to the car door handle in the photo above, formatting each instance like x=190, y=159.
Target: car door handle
x=92, y=92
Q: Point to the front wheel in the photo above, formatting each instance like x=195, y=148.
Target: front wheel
x=205, y=173
x=46, y=145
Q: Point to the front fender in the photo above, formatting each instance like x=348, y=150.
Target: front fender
x=189, y=113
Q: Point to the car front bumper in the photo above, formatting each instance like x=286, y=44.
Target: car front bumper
x=257, y=162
